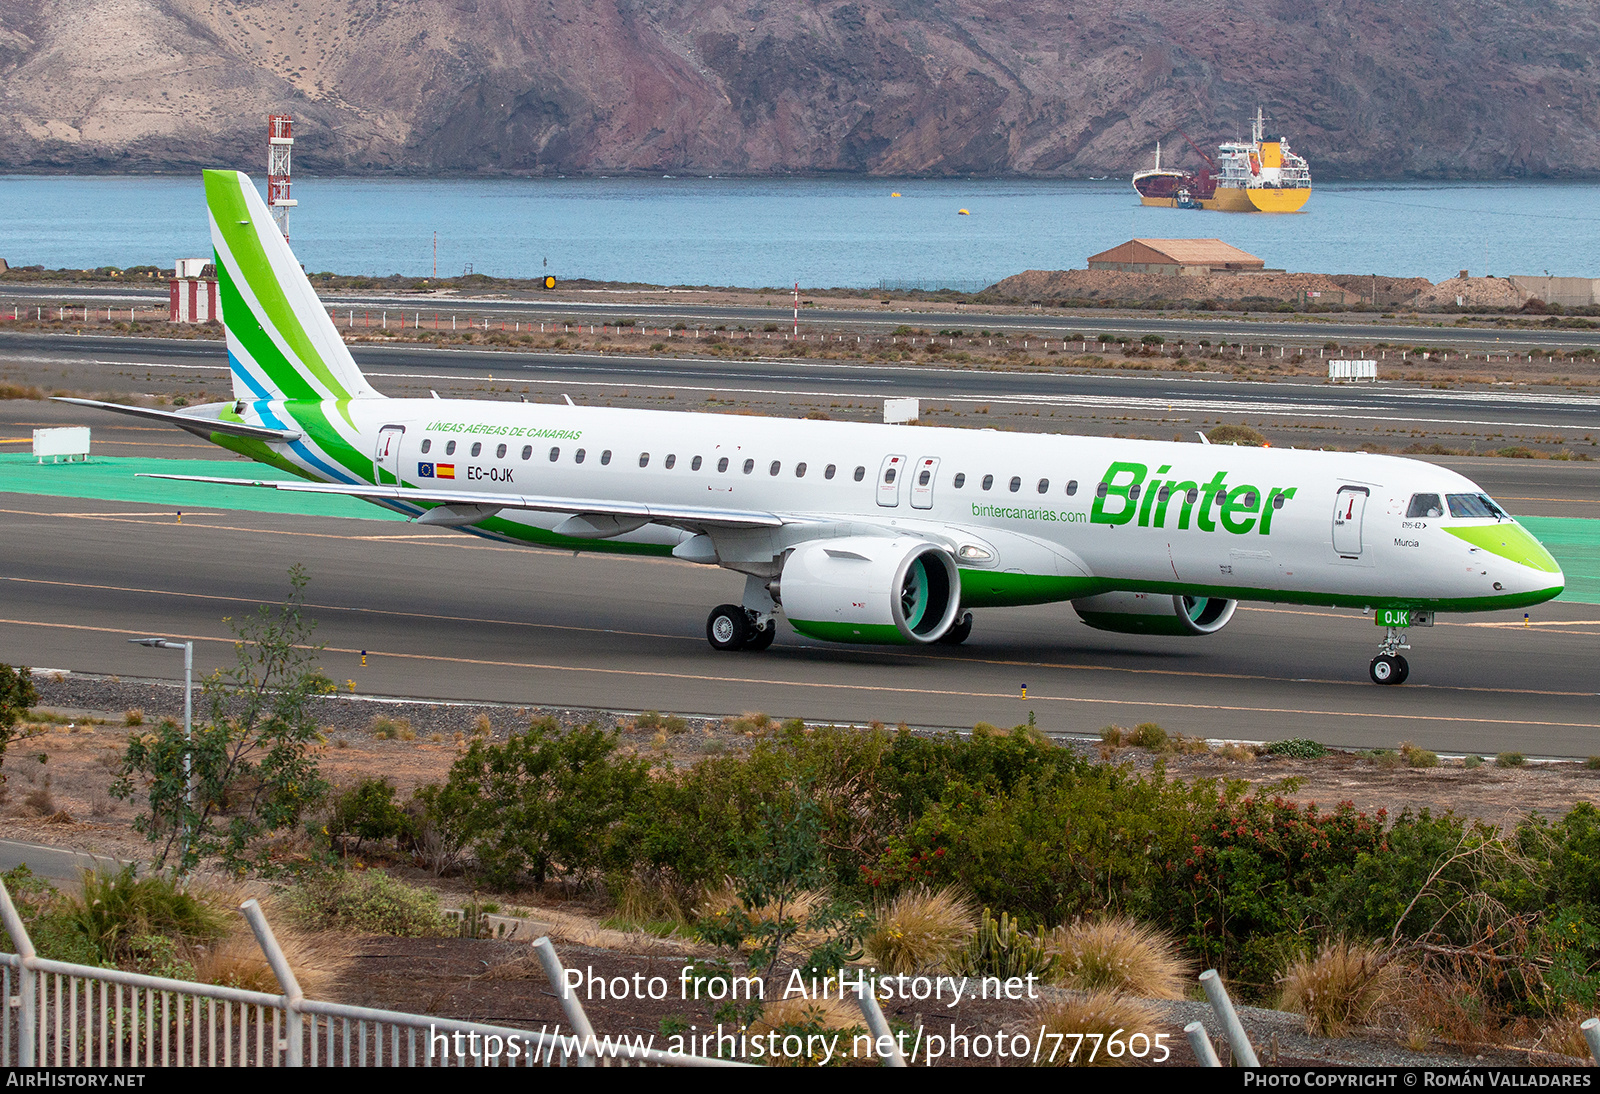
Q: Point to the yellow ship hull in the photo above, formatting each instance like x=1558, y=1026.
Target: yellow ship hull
x=1231, y=199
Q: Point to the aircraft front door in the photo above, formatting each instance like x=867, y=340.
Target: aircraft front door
x=922, y=480
x=1348, y=508
x=386, y=457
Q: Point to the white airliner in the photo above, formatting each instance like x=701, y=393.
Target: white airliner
x=858, y=533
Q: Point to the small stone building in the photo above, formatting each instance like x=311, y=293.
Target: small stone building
x=1177, y=258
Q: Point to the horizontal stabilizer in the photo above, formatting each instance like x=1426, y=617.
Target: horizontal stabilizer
x=193, y=423
x=689, y=516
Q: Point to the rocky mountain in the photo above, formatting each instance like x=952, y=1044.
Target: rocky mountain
x=1364, y=88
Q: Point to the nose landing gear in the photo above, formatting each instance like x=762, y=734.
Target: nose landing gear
x=1389, y=667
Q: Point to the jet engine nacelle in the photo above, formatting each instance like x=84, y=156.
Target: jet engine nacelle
x=1154, y=613
x=868, y=589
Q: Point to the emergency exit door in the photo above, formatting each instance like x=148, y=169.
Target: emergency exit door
x=386, y=456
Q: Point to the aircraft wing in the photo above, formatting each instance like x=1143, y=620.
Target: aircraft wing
x=690, y=516
x=194, y=423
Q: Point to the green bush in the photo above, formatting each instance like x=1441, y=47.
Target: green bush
x=368, y=810
x=48, y=916
x=543, y=799
x=365, y=902
x=1297, y=748
x=1510, y=759
x=16, y=696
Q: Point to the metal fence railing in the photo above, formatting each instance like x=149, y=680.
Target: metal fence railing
x=58, y=1014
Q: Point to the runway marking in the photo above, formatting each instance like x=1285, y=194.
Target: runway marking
x=880, y=688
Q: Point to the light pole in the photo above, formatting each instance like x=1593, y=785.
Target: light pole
x=188, y=723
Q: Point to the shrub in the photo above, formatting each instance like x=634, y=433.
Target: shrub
x=1418, y=757
x=368, y=810
x=385, y=728
x=368, y=902
x=123, y=916
x=1297, y=748
x=1148, y=735
x=1340, y=988
x=807, y=1019
x=134, y=717
x=921, y=929
x=1510, y=759
x=1236, y=434
x=16, y=696
x=1115, y=736
x=541, y=799
x=1084, y=1029
x=1471, y=762
x=1593, y=763
x=1120, y=955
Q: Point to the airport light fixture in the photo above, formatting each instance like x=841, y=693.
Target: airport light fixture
x=188, y=723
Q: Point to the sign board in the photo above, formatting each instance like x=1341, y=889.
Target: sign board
x=71, y=442
x=1402, y=617
x=1352, y=370
x=900, y=411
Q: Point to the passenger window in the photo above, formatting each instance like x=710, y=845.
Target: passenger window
x=799, y=470
x=500, y=453
x=749, y=466
x=1102, y=490
x=577, y=457
x=773, y=470
x=888, y=476
x=694, y=464
x=1044, y=486
x=450, y=448
x=672, y=461
x=861, y=473
x=922, y=479
x=722, y=464
x=477, y=447
x=1190, y=497
x=988, y=481
x=1072, y=487
x=1250, y=499
x=960, y=480
x=1222, y=493
x=1277, y=501
x=427, y=443
x=644, y=459
x=1133, y=492
x=1164, y=493
x=1016, y=483
x=527, y=452
x=605, y=457
x=827, y=472
x=555, y=454
x=1422, y=505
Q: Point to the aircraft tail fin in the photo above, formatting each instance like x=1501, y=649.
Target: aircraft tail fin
x=281, y=343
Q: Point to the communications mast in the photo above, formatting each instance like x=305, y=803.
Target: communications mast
x=280, y=141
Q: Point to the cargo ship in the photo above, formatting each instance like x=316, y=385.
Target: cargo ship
x=1259, y=175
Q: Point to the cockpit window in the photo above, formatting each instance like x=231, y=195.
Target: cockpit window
x=1425, y=505
x=1473, y=505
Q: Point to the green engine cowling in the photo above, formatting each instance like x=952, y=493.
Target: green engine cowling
x=870, y=589
x=1154, y=613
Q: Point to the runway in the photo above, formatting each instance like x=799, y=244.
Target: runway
x=442, y=615
x=883, y=318
x=127, y=364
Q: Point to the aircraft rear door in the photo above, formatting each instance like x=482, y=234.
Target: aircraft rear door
x=1348, y=509
x=922, y=480
x=386, y=456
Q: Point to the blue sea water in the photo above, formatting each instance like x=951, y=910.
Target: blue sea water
x=819, y=232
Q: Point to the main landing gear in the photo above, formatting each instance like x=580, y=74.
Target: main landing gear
x=730, y=627
x=1389, y=667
